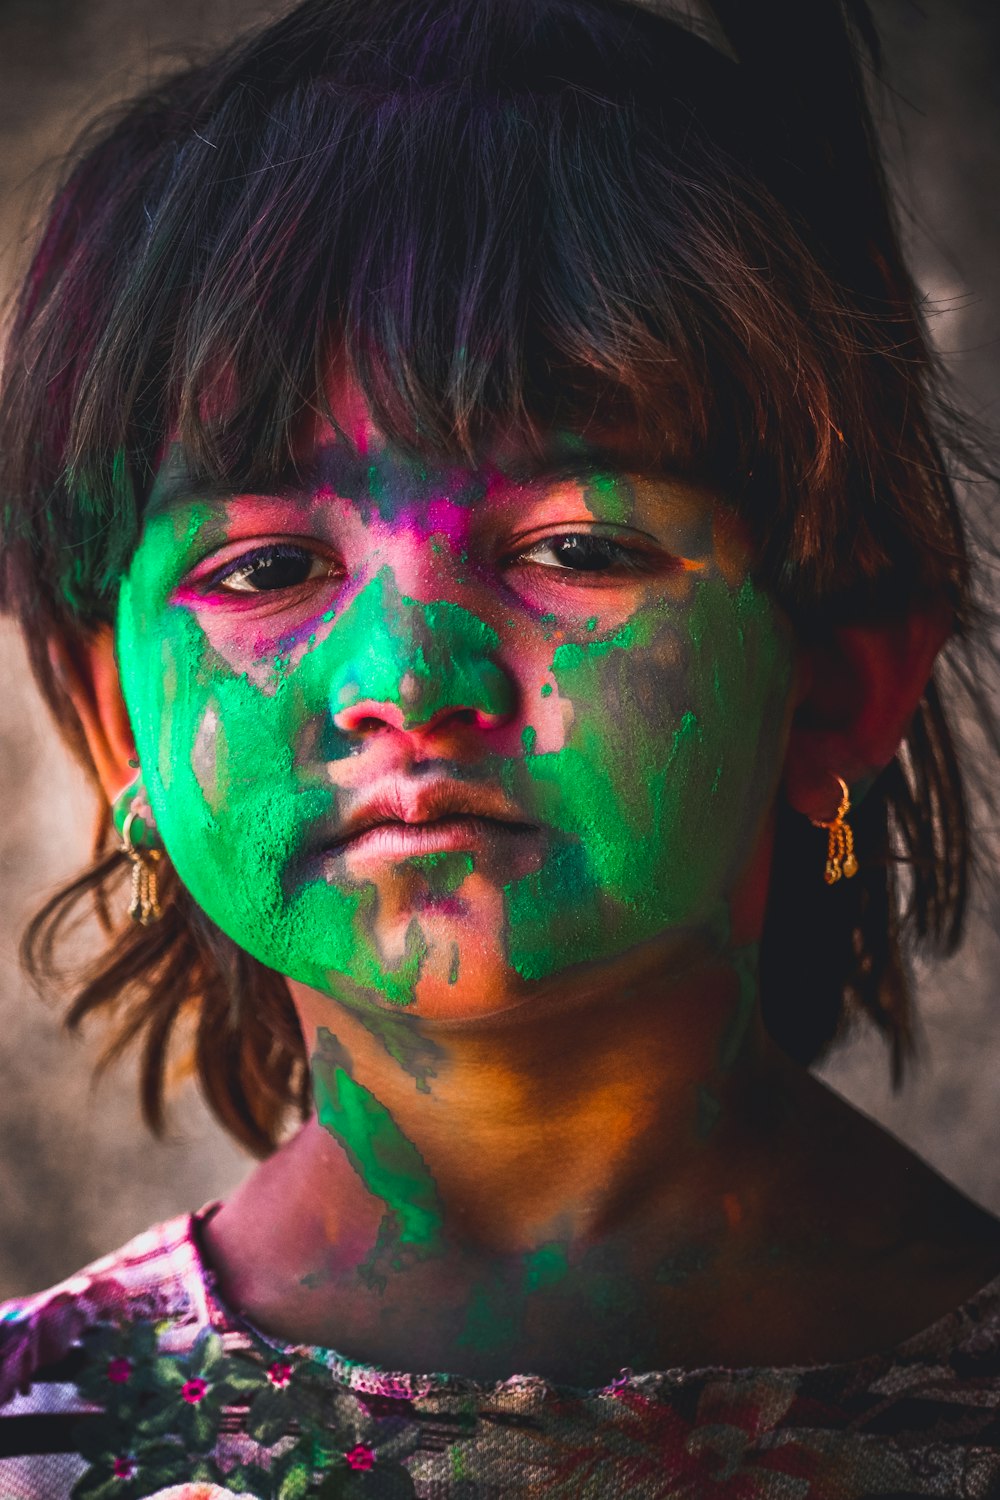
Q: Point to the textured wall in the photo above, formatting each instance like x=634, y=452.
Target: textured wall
x=77, y=1173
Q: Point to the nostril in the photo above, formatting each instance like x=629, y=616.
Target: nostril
x=367, y=717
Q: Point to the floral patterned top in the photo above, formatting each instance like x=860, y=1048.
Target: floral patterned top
x=132, y=1379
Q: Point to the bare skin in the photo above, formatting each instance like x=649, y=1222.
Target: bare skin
x=798, y=1232
x=608, y=1164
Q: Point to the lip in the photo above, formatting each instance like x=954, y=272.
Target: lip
x=401, y=817
x=397, y=840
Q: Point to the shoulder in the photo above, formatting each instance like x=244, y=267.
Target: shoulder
x=156, y=1278
x=960, y=1348
x=120, y=1380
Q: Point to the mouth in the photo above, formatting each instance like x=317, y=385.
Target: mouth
x=396, y=839
x=403, y=817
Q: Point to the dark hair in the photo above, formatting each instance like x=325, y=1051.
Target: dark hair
x=516, y=212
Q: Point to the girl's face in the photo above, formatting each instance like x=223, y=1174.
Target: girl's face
x=429, y=737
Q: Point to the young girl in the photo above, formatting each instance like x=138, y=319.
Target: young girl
x=477, y=500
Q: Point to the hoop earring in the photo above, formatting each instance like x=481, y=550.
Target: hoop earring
x=840, y=857
x=144, y=851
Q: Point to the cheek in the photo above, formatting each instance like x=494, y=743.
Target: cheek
x=659, y=791
x=234, y=801
x=652, y=751
x=218, y=764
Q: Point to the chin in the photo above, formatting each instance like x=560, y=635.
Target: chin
x=479, y=984
x=437, y=1001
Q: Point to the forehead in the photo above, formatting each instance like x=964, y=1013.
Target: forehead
x=387, y=487
x=350, y=457
x=600, y=443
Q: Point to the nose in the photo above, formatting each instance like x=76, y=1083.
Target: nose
x=369, y=715
x=417, y=666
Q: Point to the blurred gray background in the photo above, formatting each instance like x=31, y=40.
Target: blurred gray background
x=78, y=1174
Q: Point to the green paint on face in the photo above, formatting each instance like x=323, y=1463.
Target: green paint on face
x=608, y=497
x=221, y=757
x=142, y=831
x=443, y=872
x=435, y=656
x=668, y=750
x=389, y=1165
x=659, y=789
x=390, y=482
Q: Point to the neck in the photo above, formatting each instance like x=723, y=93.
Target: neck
x=538, y=1124
x=629, y=1175
x=604, y=1140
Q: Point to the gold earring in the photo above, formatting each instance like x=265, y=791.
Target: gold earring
x=144, y=852
x=144, y=906
x=840, y=858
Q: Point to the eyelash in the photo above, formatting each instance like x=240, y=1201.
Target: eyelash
x=267, y=555
x=627, y=558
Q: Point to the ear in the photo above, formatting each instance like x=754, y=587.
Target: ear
x=858, y=690
x=88, y=671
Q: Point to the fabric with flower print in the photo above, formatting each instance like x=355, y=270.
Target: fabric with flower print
x=133, y=1381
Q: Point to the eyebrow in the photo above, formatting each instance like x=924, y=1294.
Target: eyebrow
x=178, y=486
x=347, y=473
x=585, y=465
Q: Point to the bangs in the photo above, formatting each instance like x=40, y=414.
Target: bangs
x=499, y=218
x=479, y=266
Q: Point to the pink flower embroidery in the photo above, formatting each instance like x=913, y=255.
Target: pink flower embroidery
x=280, y=1376
x=124, y=1468
x=194, y=1390
x=198, y=1491
x=119, y=1370
x=360, y=1457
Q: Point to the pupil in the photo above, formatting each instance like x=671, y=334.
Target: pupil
x=584, y=553
x=280, y=572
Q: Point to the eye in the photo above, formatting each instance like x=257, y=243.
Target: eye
x=585, y=552
x=280, y=565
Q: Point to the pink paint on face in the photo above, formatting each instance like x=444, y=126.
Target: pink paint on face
x=436, y=549
x=302, y=690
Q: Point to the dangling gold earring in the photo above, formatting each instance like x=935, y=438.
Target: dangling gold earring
x=144, y=851
x=840, y=858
